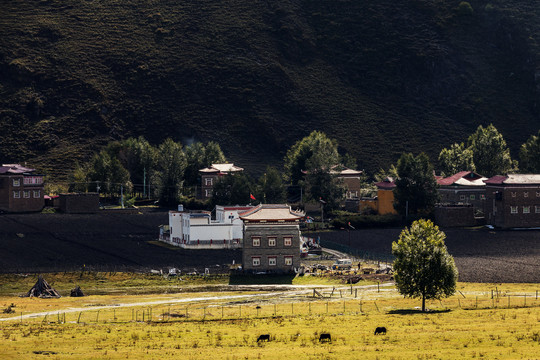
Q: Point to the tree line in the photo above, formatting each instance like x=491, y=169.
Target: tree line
x=170, y=170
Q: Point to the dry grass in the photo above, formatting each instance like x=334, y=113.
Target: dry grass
x=222, y=328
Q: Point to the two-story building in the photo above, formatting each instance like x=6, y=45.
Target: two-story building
x=21, y=189
x=513, y=201
x=463, y=188
x=210, y=175
x=271, y=239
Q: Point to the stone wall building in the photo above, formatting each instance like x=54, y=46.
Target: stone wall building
x=271, y=239
x=210, y=175
x=21, y=189
x=513, y=201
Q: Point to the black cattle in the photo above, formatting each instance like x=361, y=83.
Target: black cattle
x=380, y=330
x=265, y=337
x=325, y=337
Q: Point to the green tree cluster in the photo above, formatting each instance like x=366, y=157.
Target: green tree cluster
x=416, y=186
x=486, y=153
x=529, y=155
x=313, y=162
x=165, y=169
x=423, y=268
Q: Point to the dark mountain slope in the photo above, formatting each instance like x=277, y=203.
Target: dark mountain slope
x=380, y=76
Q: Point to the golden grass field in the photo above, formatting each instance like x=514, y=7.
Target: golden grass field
x=490, y=321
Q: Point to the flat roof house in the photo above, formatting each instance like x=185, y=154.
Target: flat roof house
x=513, y=201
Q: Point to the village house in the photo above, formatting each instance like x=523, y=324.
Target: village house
x=463, y=188
x=197, y=230
x=383, y=202
x=210, y=175
x=513, y=201
x=271, y=239
x=21, y=189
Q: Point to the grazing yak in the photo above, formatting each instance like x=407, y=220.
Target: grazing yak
x=265, y=337
x=325, y=337
x=380, y=330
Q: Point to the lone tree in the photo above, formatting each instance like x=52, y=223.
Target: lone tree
x=423, y=268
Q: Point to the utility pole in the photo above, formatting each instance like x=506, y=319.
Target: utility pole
x=144, y=183
x=122, y=195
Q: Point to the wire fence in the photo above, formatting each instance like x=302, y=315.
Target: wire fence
x=336, y=302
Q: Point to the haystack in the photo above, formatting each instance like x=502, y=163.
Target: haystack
x=77, y=292
x=42, y=289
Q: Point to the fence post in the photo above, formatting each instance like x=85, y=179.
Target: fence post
x=376, y=306
x=508, y=300
x=275, y=309
x=79, y=318
x=327, y=307
x=477, y=302
x=459, y=303
x=355, y=293
x=97, y=317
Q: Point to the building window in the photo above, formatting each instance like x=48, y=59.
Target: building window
x=526, y=194
x=208, y=193
x=37, y=194
x=31, y=180
x=514, y=194
x=482, y=197
x=256, y=261
x=538, y=194
x=272, y=261
x=287, y=241
x=472, y=197
x=526, y=209
x=288, y=260
x=16, y=194
x=513, y=209
x=208, y=181
x=26, y=194
x=461, y=197
x=256, y=240
x=271, y=241
x=537, y=209
x=16, y=182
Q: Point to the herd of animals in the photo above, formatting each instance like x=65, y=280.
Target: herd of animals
x=324, y=337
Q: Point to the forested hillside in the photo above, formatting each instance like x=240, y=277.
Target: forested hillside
x=380, y=76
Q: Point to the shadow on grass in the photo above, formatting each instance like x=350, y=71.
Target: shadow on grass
x=417, y=311
x=263, y=279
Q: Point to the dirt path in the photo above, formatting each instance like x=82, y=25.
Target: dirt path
x=300, y=290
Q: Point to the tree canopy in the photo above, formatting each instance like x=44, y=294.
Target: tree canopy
x=171, y=163
x=416, y=187
x=233, y=189
x=491, y=155
x=270, y=187
x=455, y=159
x=315, y=151
x=423, y=268
x=529, y=155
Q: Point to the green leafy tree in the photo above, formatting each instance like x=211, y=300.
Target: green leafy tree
x=107, y=172
x=311, y=162
x=198, y=157
x=271, y=188
x=529, y=155
x=232, y=189
x=139, y=158
x=382, y=174
x=171, y=163
x=422, y=266
x=79, y=179
x=491, y=156
x=313, y=151
x=416, y=187
x=455, y=159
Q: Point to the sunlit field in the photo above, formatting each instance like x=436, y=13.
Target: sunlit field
x=491, y=321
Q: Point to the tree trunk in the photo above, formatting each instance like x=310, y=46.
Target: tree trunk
x=423, y=303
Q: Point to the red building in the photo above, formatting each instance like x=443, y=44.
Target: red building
x=21, y=189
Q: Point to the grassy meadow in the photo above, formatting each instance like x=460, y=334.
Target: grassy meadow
x=491, y=321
